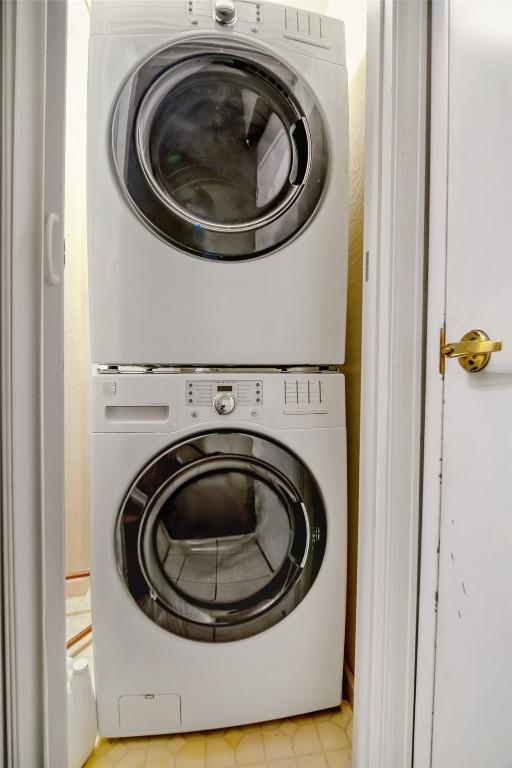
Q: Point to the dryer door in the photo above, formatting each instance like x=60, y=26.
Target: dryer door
x=220, y=149
x=221, y=536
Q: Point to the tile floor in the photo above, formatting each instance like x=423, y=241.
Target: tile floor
x=321, y=740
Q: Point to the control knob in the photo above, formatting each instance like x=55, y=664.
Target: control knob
x=225, y=12
x=224, y=403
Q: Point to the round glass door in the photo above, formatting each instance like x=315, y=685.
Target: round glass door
x=221, y=536
x=221, y=153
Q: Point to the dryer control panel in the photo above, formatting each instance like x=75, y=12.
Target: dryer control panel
x=227, y=11
x=159, y=400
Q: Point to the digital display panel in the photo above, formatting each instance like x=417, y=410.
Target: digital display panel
x=224, y=388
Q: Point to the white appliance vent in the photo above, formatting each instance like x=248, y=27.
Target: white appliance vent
x=304, y=396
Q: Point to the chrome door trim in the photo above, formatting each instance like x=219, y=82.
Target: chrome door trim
x=200, y=238
x=143, y=124
x=201, y=468
x=184, y=462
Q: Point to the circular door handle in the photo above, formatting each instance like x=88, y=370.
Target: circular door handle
x=473, y=351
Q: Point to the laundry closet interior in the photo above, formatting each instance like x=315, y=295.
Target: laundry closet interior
x=214, y=266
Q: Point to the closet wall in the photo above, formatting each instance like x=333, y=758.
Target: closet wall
x=76, y=316
x=352, y=367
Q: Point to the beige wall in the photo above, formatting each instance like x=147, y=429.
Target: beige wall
x=352, y=367
x=76, y=320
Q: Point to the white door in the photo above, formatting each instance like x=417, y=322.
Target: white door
x=33, y=88
x=52, y=387
x=472, y=706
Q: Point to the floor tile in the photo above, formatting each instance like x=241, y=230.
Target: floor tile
x=332, y=736
x=277, y=745
x=116, y=752
x=312, y=761
x=98, y=761
x=339, y=759
x=135, y=758
x=159, y=756
x=306, y=740
x=287, y=762
x=328, y=714
x=342, y=719
x=219, y=753
x=233, y=736
x=288, y=727
x=250, y=749
x=193, y=754
x=176, y=744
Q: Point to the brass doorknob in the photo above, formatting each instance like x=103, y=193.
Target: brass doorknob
x=473, y=350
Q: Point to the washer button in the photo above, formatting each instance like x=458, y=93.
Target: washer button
x=254, y=412
x=194, y=414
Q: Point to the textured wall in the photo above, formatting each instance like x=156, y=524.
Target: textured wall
x=352, y=368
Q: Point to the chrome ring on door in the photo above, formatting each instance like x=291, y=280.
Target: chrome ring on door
x=285, y=114
x=218, y=544
x=220, y=148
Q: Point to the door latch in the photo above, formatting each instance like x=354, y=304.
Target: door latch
x=473, y=351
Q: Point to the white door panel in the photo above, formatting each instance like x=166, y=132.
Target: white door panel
x=52, y=387
x=473, y=676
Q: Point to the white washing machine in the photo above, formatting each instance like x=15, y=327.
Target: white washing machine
x=217, y=184
x=218, y=548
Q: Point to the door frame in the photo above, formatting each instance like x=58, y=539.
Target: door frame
x=391, y=456
x=434, y=387
x=392, y=390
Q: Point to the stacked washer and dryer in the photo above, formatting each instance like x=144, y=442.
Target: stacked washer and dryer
x=217, y=206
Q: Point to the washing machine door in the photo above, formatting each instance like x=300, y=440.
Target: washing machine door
x=220, y=149
x=221, y=536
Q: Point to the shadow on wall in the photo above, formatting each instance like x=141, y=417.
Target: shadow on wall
x=352, y=367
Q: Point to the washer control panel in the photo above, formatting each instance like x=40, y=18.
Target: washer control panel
x=224, y=397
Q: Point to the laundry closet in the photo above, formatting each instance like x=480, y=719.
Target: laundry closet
x=214, y=440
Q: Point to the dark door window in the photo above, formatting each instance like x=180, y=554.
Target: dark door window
x=222, y=154
x=221, y=536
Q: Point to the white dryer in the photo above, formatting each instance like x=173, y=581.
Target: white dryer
x=218, y=548
x=217, y=184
